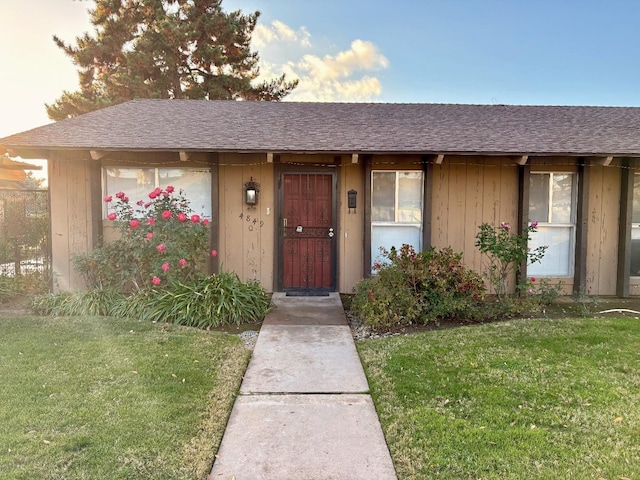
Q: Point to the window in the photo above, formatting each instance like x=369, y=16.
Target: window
x=396, y=211
x=138, y=182
x=635, y=228
x=552, y=199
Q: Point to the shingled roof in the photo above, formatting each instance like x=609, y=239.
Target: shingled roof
x=228, y=126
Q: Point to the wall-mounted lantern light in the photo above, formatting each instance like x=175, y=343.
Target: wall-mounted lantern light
x=352, y=200
x=251, y=190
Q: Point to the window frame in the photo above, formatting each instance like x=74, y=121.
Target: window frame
x=396, y=222
x=551, y=224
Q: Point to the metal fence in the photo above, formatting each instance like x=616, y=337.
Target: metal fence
x=25, y=246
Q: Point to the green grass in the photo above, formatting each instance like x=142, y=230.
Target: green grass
x=91, y=397
x=526, y=399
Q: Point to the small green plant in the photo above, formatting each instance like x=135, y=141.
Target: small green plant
x=417, y=288
x=12, y=286
x=506, y=252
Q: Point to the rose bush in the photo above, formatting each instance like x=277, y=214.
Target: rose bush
x=156, y=243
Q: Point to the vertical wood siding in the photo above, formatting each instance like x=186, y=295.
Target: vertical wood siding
x=602, y=243
x=71, y=217
x=469, y=192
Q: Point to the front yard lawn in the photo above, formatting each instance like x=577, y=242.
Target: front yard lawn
x=94, y=397
x=543, y=399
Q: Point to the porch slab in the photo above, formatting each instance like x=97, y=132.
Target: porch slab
x=306, y=310
x=304, y=359
x=303, y=436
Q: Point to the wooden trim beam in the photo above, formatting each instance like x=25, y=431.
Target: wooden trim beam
x=524, y=182
x=97, y=154
x=354, y=158
x=427, y=202
x=214, y=225
x=439, y=159
x=184, y=156
x=368, y=167
x=269, y=157
x=624, y=229
x=522, y=160
x=582, y=224
x=606, y=161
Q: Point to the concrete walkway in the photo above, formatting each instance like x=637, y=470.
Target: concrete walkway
x=304, y=411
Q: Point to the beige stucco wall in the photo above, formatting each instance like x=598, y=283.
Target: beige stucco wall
x=350, y=226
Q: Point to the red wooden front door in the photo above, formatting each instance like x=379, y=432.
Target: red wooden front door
x=308, y=236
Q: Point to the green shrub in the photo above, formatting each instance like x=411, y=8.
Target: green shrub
x=208, y=302
x=417, y=288
x=96, y=301
x=12, y=286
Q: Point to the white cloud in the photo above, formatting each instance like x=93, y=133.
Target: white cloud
x=278, y=31
x=346, y=76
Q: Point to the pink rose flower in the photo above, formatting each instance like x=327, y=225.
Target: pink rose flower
x=205, y=221
x=214, y=253
x=505, y=225
x=533, y=279
x=165, y=266
x=170, y=189
x=112, y=216
x=534, y=224
x=182, y=262
x=152, y=195
x=108, y=198
x=150, y=235
x=139, y=203
x=161, y=248
x=134, y=223
x=125, y=199
x=156, y=280
x=147, y=205
x=151, y=221
x=166, y=214
x=182, y=217
x=120, y=195
x=195, y=218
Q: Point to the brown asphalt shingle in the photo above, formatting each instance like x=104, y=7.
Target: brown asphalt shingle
x=198, y=125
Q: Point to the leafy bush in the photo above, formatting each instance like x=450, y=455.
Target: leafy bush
x=417, y=288
x=506, y=252
x=12, y=286
x=160, y=240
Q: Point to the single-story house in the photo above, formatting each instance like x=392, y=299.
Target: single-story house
x=302, y=196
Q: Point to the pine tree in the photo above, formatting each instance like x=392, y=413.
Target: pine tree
x=164, y=49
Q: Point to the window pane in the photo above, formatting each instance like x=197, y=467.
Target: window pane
x=383, y=197
x=557, y=257
x=410, y=197
x=562, y=206
x=539, y=197
x=195, y=185
x=388, y=236
x=138, y=182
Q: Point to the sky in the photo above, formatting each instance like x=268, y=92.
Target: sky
x=546, y=52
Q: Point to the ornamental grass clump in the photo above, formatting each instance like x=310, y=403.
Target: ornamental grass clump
x=417, y=288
